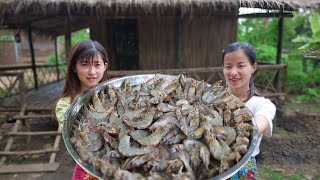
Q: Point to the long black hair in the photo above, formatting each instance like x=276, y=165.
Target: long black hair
x=250, y=52
x=85, y=49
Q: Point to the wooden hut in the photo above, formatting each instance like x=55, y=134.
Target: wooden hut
x=146, y=34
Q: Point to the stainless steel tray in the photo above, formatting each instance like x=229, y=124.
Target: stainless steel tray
x=85, y=97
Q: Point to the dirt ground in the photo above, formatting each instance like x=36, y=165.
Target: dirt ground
x=294, y=146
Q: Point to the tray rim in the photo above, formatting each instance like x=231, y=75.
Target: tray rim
x=86, y=96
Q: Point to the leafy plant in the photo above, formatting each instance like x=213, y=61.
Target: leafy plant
x=313, y=41
x=296, y=82
x=6, y=38
x=76, y=36
x=310, y=95
x=52, y=59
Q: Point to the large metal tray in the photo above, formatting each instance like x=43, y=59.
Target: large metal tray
x=85, y=97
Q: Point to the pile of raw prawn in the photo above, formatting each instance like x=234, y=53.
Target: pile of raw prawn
x=164, y=128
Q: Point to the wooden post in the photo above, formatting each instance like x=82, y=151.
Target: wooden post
x=178, y=38
x=55, y=146
x=56, y=55
x=34, y=70
x=67, y=36
x=304, y=64
x=22, y=90
x=279, y=50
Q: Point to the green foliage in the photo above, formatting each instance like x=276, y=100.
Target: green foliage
x=76, y=36
x=302, y=107
x=52, y=59
x=310, y=95
x=315, y=25
x=304, y=30
x=258, y=31
x=6, y=38
x=296, y=81
x=266, y=53
x=313, y=41
x=265, y=172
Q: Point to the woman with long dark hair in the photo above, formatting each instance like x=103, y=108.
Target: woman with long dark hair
x=87, y=67
x=239, y=63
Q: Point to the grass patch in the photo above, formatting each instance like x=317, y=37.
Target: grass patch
x=265, y=172
x=303, y=108
x=317, y=176
x=283, y=133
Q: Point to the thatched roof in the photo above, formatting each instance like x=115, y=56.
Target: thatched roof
x=101, y=7
x=312, y=53
x=50, y=15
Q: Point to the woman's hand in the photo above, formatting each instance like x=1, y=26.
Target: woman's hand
x=262, y=123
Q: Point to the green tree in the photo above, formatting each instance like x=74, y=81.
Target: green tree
x=76, y=36
x=313, y=41
x=262, y=33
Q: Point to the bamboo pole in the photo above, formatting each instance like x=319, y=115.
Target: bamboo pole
x=49, y=133
x=67, y=36
x=22, y=89
x=56, y=56
x=33, y=61
x=178, y=38
x=26, y=117
x=279, y=50
x=55, y=146
x=29, y=109
x=15, y=153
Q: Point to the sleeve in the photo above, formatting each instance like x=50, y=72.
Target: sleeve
x=268, y=110
x=62, y=106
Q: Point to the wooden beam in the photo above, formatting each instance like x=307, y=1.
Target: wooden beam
x=17, y=153
x=67, y=36
x=57, y=57
x=34, y=116
x=312, y=57
x=22, y=89
x=55, y=145
x=49, y=133
x=267, y=15
x=273, y=94
x=277, y=82
x=30, y=109
x=33, y=61
x=22, y=168
x=272, y=66
x=178, y=38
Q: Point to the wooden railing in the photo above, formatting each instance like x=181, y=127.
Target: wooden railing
x=12, y=83
x=265, y=77
x=10, y=75
x=268, y=83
